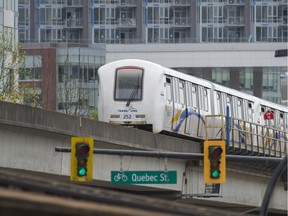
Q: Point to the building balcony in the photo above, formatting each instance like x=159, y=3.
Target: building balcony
x=234, y=2
x=283, y=2
x=181, y=2
x=126, y=22
x=126, y=3
x=272, y=20
x=57, y=23
x=72, y=3
x=181, y=22
x=231, y=21
x=73, y=23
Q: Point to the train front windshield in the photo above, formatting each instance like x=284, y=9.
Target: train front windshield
x=128, y=84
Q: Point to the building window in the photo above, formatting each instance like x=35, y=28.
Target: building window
x=246, y=80
x=271, y=80
x=32, y=68
x=221, y=76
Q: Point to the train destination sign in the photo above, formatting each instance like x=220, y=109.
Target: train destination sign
x=144, y=177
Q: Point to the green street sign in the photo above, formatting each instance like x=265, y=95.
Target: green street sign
x=144, y=177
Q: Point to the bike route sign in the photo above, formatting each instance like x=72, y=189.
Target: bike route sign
x=144, y=177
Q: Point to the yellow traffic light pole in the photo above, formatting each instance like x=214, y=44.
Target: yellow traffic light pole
x=81, y=159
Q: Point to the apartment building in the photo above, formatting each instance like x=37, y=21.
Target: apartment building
x=152, y=21
x=79, y=23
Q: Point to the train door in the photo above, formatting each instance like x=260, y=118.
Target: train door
x=226, y=100
x=248, y=111
x=283, y=135
x=192, y=121
x=277, y=123
x=238, y=108
x=281, y=121
x=169, y=103
x=285, y=123
x=179, y=106
x=229, y=103
x=218, y=103
x=268, y=122
x=204, y=108
x=223, y=103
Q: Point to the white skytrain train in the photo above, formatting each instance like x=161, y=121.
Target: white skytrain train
x=146, y=95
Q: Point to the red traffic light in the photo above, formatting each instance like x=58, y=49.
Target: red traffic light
x=82, y=150
x=215, y=152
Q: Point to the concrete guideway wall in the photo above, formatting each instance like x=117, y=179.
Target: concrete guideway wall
x=29, y=137
x=68, y=125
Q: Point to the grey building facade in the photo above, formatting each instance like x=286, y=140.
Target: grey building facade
x=152, y=21
x=121, y=23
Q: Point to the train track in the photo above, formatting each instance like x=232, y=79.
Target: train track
x=50, y=186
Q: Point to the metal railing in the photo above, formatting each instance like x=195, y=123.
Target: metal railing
x=247, y=137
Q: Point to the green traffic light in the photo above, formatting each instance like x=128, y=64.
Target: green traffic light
x=215, y=173
x=82, y=172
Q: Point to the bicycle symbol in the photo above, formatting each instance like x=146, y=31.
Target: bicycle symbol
x=120, y=176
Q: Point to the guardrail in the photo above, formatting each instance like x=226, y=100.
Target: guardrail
x=248, y=137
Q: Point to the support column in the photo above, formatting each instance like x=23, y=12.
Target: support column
x=234, y=78
x=258, y=82
x=207, y=73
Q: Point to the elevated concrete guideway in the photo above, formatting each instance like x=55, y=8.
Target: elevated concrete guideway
x=29, y=137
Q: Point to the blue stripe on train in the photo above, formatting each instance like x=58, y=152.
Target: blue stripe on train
x=185, y=114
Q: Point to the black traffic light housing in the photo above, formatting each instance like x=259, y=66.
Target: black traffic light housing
x=82, y=154
x=214, y=161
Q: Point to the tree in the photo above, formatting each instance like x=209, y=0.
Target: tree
x=12, y=67
x=75, y=90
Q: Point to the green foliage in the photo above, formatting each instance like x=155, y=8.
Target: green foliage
x=94, y=114
x=12, y=68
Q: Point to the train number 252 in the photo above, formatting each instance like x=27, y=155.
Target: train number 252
x=127, y=116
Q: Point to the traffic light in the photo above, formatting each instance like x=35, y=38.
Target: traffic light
x=81, y=159
x=214, y=161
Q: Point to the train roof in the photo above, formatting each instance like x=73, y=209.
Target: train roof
x=131, y=62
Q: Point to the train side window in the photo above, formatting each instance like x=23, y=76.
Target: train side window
x=181, y=92
x=168, y=88
x=168, y=80
x=228, y=99
x=262, y=109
